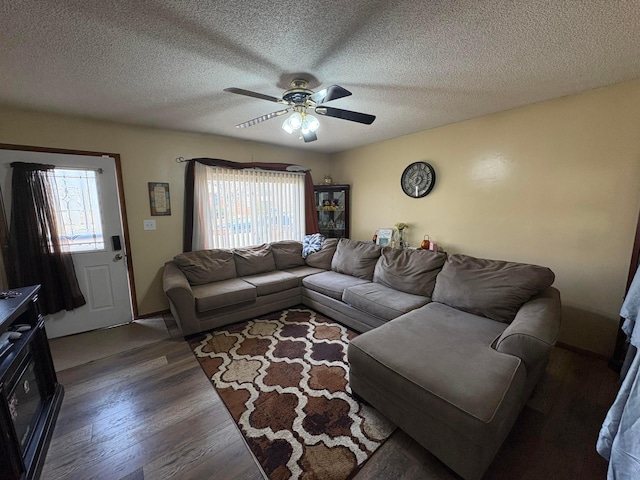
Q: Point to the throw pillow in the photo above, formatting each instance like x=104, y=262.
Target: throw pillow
x=410, y=271
x=354, y=258
x=206, y=266
x=491, y=288
x=311, y=243
x=322, y=258
x=287, y=254
x=254, y=260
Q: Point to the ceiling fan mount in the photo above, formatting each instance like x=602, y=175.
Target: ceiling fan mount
x=298, y=99
x=298, y=93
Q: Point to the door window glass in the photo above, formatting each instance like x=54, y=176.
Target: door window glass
x=78, y=209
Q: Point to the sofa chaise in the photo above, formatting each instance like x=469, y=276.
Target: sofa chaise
x=451, y=346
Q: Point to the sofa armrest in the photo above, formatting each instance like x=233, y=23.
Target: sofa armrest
x=534, y=330
x=181, y=299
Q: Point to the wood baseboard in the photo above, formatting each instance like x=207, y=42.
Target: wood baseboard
x=154, y=314
x=582, y=351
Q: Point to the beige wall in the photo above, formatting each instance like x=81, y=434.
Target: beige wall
x=556, y=183
x=147, y=155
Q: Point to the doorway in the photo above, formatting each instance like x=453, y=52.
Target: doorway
x=101, y=255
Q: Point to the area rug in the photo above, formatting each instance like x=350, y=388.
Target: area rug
x=284, y=379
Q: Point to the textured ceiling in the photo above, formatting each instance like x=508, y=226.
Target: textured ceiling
x=414, y=64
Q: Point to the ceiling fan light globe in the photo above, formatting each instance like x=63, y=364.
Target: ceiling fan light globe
x=295, y=121
x=312, y=123
x=286, y=126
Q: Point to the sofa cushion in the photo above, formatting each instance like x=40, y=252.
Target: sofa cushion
x=354, y=258
x=287, y=254
x=410, y=271
x=331, y=284
x=311, y=243
x=254, y=260
x=205, y=266
x=222, y=294
x=272, y=282
x=382, y=301
x=301, y=272
x=492, y=288
x=322, y=258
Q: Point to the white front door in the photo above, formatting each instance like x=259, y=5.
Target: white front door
x=101, y=270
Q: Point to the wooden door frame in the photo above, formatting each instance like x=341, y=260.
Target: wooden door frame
x=123, y=209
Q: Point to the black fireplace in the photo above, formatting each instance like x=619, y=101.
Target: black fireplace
x=30, y=395
x=25, y=402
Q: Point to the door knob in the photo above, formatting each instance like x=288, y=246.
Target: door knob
x=118, y=256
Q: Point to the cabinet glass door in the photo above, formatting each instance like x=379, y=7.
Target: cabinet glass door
x=332, y=207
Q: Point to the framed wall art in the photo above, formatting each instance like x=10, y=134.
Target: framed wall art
x=159, y=199
x=384, y=237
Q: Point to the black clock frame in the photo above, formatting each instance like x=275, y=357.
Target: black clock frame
x=429, y=187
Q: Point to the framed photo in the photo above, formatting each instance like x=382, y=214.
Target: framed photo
x=384, y=237
x=159, y=199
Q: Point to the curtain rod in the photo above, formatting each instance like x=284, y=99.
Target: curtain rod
x=290, y=168
x=63, y=167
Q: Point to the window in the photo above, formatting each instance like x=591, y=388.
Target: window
x=78, y=211
x=238, y=208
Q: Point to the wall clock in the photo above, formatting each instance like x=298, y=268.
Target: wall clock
x=418, y=179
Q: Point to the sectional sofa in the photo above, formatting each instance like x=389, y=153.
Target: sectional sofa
x=451, y=346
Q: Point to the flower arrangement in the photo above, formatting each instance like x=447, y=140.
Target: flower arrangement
x=399, y=240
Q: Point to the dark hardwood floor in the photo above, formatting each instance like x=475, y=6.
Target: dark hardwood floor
x=151, y=413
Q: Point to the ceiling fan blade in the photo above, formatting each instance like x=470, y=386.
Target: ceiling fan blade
x=261, y=118
x=309, y=137
x=249, y=93
x=346, y=115
x=330, y=93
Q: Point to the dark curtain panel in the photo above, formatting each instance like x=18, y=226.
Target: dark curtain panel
x=311, y=217
x=35, y=253
x=310, y=212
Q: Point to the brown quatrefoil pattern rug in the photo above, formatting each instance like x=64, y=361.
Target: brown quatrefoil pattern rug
x=284, y=378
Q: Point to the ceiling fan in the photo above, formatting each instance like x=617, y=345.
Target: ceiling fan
x=299, y=99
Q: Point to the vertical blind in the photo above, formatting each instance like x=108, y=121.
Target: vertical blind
x=238, y=208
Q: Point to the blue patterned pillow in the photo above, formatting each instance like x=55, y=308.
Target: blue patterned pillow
x=311, y=243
